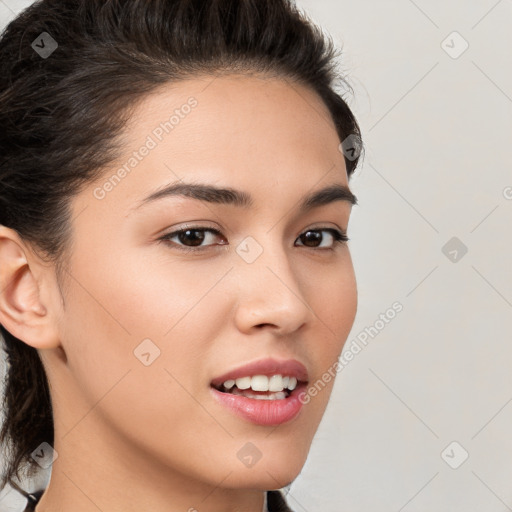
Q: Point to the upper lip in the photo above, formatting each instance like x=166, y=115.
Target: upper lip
x=268, y=367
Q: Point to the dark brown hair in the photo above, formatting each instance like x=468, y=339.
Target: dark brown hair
x=62, y=115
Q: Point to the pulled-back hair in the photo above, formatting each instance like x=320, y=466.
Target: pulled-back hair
x=62, y=116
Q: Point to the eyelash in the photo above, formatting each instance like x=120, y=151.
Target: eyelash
x=340, y=237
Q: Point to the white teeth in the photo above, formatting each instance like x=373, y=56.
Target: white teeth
x=229, y=384
x=275, y=383
x=243, y=383
x=260, y=383
x=280, y=395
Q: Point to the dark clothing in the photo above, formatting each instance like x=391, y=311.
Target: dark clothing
x=33, y=499
x=275, y=501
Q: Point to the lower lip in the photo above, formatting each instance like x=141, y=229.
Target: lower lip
x=263, y=412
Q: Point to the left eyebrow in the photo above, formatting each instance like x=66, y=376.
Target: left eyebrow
x=241, y=199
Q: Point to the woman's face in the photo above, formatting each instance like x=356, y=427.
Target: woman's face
x=148, y=324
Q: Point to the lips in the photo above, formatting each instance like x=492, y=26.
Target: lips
x=278, y=408
x=268, y=367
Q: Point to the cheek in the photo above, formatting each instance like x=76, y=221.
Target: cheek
x=155, y=405
x=341, y=305
x=130, y=307
x=332, y=295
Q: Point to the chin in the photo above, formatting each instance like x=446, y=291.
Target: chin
x=274, y=471
x=261, y=480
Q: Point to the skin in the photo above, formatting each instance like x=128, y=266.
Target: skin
x=131, y=437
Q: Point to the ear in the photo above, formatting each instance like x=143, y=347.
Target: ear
x=22, y=278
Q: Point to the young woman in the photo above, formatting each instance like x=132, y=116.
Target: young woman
x=175, y=282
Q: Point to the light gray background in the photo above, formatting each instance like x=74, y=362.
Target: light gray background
x=437, y=131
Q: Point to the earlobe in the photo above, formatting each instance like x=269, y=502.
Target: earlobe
x=22, y=312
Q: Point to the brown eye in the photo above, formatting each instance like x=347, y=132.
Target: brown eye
x=192, y=237
x=312, y=237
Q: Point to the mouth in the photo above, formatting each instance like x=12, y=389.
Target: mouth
x=261, y=387
x=263, y=378
x=267, y=392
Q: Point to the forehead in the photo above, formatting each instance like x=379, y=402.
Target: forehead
x=254, y=114
x=247, y=132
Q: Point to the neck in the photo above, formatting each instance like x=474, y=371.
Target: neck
x=95, y=471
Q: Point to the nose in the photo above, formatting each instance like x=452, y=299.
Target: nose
x=269, y=294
